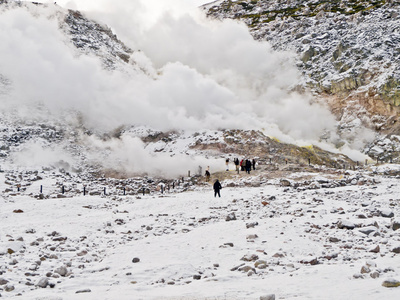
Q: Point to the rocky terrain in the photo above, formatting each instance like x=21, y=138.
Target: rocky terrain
x=103, y=214
x=346, y=50
x=334, y=229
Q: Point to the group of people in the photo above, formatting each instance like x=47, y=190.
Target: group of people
x=244, y=165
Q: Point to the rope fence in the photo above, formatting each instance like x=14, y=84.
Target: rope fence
x=161, y=186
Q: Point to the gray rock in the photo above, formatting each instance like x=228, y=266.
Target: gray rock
x=9, y=288
x=374, y=275
x=391, y=282
x=387, y=213
x=344, y=224
x=376, y=249
x=13, y=262
x=251, y=225
x=246, y=269
x=396, y=249
x=248, y=257
x=251, y=237
x=136, y=260
x=367, y=230
x=396, y=224
x=3, y=281
x=268, y=297
x=334, y=240
x=230, y=217
x=62, y=271
x=365, y=269
x=83, y=291
x=43, y=283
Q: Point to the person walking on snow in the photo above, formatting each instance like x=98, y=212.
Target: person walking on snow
x=217, y=188
x=248, y=166
x=236, y=161
x=207, y=174
x=227, y=164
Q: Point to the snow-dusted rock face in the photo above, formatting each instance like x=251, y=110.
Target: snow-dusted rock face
x=91, y=37
x=344, y=47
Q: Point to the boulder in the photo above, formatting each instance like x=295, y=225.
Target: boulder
x=391, y=282
x=387, y=213
x=396, y=224
x=396, y=249
x=345, y=224
x=62, y=271
x=43, y=283
x=367, y=230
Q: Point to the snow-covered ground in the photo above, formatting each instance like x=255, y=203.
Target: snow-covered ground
x=262, y=237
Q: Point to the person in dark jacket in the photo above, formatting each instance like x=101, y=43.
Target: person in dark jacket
x=248, y=166
x=217, y=188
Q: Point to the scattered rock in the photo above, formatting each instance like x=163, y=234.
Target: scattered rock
x=136, y=260
x=246, y=269
x=18, y=211
x=375, y=249
x=391, y=282
x=268, y=297
x=396, y=224
x=367, y=230
x=237, y=267
x=62, y=271
x=365, y=269
x=278, y=255
x=230, y=217
x=43, y=283
x=83, y=291
x=251, y=236
x=9, y=288
x=396, y=249
x=248, y=257
x=334, y=240
x=309, y=261
x=345, y=224
x=3, y=281
x=386, y=213
x=82, y=253
x=251, y=225
x=374, y=274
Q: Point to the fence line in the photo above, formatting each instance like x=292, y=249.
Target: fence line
x=164, y=188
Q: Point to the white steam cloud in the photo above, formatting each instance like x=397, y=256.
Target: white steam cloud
x=206, y=74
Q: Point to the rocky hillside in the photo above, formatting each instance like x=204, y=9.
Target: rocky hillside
x=74, y=149
x=347, y=50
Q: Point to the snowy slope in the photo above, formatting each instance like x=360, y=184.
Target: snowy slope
x=310, y=243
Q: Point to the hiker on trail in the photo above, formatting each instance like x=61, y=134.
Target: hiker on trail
x=248, y=166
x=207, y=174
x=217, y=188
x=242, y=165
x=227, y=164
x=254, y=164
x=236, y=161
